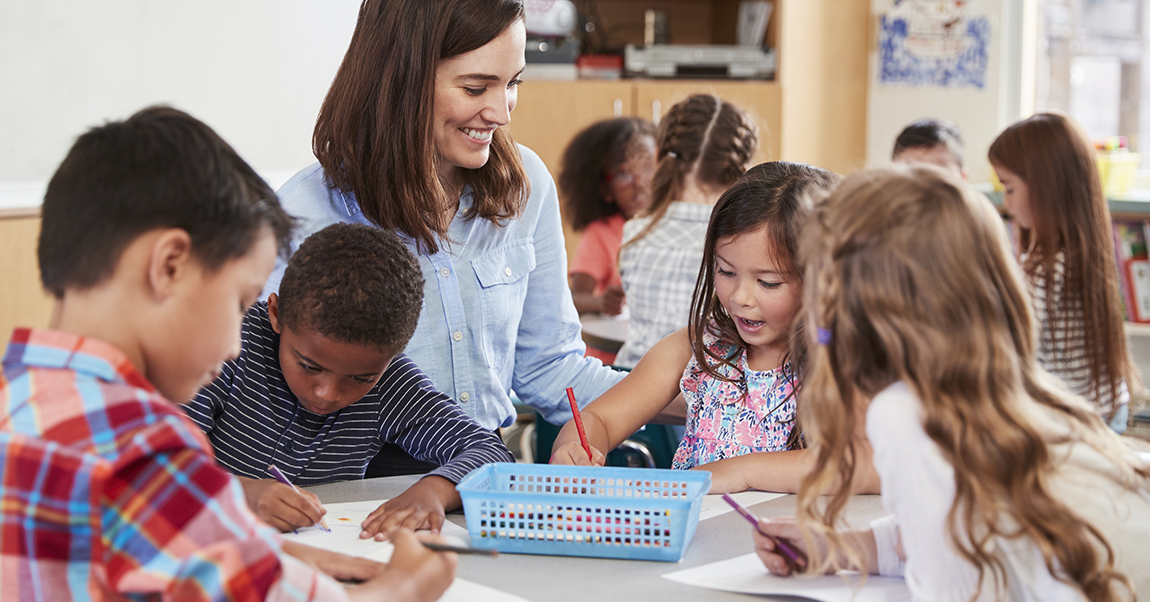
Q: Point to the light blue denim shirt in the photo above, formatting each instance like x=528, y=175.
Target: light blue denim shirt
x=497, y=312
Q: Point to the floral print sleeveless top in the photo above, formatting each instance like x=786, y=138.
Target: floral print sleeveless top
x=721, y=421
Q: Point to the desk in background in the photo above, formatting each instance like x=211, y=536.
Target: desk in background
x=604, y=335
x=562, y=578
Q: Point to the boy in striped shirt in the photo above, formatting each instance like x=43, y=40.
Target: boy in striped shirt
x=322, y=384
x=155, y=237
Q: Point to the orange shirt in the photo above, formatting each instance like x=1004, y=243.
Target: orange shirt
x=598, y=252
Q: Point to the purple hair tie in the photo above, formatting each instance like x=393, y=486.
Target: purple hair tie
x=824, y=336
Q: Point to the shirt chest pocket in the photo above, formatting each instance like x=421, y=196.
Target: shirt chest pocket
x=503, y=275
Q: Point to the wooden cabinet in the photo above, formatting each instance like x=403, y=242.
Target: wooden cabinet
x=550, y=113
x=22, y=301
x=814, y=111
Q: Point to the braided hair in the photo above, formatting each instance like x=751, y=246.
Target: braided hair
x=705, y=135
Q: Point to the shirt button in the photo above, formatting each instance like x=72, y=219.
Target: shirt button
x=445, y=272
x=507, y=270
x=464, y=396
x=457, y=336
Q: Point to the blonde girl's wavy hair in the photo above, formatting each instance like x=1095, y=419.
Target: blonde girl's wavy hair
x=701, y=134
x=910, y=273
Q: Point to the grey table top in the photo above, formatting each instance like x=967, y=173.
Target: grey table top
x=545, y=578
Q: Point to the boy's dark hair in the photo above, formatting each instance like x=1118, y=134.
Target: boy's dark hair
x=355, y=284
x=588, y=157
x=928, y=133
x=160, y=168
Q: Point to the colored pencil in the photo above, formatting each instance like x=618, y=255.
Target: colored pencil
x=579, y=424
x=441, y=547
x=781, y=545
x=282, y=478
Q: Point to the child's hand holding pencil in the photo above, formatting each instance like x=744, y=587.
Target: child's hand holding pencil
x=579, y=453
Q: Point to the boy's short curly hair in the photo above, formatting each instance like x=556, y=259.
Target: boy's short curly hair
x=355, y=284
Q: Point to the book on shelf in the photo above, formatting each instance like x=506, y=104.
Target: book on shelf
x=1133, y=263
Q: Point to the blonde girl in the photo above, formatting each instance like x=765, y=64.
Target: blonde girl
x=703, y=145
x=1001, y=484
x=1067, y=251
x=734, y=363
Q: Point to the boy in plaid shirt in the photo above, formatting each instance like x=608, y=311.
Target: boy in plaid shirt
x=155, y=238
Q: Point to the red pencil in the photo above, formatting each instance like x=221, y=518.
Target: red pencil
x=579, y=424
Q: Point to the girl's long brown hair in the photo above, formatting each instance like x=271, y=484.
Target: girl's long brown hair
x=964, y=342
x=768, y=196
x=374, y=137
x=1070, y=215
x=703, y=134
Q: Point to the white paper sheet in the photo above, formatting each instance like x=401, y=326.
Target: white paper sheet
x=713, y=505
x=344, y=520
x=746, y=575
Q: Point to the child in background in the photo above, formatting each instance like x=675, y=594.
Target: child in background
x=704, y=145
x=734, y=363
x=606, y=180
x=1002, y=484
x=1050, y=174
x=931, y=141
x=154, y=234
x=321, y=384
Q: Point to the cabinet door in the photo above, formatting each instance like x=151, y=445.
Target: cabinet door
x=22, y=300
x=761, y=100
x=550, y=113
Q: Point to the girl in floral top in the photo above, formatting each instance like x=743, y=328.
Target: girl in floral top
x=734, y=364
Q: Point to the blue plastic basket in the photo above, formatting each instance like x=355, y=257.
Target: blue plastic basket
x=606, y=512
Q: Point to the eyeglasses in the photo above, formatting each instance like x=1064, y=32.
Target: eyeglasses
x=621, y=179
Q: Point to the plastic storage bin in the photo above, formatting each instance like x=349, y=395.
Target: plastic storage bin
x=606, y=512
x=1117, y=170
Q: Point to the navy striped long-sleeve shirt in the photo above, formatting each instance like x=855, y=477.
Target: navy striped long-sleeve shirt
x=253, y=420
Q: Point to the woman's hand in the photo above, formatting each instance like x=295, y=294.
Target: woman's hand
x=282, y=506
x=414, y=574
x=573, y=453
x=422, y=506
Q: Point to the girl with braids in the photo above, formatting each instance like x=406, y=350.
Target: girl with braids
x=606, y=180
x=1001, y=483
x=703, y=145
x=734, y=363
x=1053, y=191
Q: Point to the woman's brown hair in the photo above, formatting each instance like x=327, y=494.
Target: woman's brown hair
x=703, y=134
x=1070, y=216
x=878, y=312
x=373, y=136
x=769, y=196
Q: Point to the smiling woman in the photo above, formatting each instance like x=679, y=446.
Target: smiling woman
x=412, y=138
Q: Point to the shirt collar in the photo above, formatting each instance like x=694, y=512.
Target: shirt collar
x=42, y=348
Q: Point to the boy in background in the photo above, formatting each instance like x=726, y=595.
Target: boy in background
x=321, y=384
x=155, y=238
x=931, y=141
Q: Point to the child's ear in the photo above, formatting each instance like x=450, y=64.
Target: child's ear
x=274, y=312
x=170, y=261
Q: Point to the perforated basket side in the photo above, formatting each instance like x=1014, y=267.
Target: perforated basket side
x=611, y=513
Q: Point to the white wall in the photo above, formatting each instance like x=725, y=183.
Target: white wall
x=979, y=114
x=254, y=70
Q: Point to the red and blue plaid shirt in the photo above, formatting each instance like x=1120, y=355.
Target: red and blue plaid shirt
x=109, y=492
